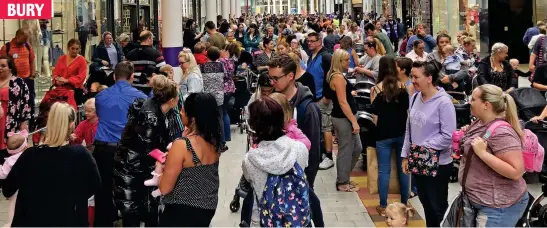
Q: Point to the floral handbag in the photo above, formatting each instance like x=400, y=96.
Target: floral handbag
x=421, y=160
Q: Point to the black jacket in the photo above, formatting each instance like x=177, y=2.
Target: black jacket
x=145, y=131
x=484, y=75
x=101, y=53
x=311, y=127
x=188, y=39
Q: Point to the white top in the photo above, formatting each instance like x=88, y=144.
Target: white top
x=415, y=57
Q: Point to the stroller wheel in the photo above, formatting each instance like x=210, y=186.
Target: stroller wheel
x=234, y=205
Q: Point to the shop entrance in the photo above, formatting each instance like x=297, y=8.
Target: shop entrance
x=512, y=19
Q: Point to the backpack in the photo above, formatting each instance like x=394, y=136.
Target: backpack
x=285, y=200
x=301, y=111
x=8, y=46
x=532, y=153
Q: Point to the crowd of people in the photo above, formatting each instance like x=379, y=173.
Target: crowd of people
x=304, y=101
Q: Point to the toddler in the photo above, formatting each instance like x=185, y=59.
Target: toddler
x=452, y=63
x=291, y=129
x=86, y=129
x=200, y=53
x=515, y=64
x=16, y=144
x=398, y=214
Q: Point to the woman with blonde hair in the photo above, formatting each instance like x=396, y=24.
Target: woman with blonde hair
x=494, y=182
x=191, y=81
x=69, y=171
x=343, y=119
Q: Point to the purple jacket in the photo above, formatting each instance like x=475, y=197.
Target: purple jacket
x=432, y=123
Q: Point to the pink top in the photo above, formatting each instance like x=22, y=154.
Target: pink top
x=6, y=167
x=292, y=131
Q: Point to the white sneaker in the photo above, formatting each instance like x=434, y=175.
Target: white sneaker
x=327, y=163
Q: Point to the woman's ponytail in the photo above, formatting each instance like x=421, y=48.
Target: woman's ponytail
x=511, y=115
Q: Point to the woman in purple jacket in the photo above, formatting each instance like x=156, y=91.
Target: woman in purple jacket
x=431, y=121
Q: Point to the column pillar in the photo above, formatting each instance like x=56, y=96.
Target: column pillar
x=280, y=6
x=298, y=7
x=312, y=7
x=171, y=31
x=238, y=8
x=274, y=10
x=268, y=9
x=211, y=11
x=289, y=7
x=233, y=8
x=226, y=9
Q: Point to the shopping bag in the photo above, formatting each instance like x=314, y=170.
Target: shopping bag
x=372, y=172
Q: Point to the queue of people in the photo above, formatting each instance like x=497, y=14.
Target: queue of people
x=304, y=101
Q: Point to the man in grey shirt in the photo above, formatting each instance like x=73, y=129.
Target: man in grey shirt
x=330, y=40
x=369, y=64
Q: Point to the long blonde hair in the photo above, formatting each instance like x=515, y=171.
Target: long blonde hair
x=336, y=65
x=61, y=117
x=501, y=103
x=282, y=100
x=380, y=47
x=193, y=67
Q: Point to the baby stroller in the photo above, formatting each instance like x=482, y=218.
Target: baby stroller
x=243, y=83
x=364, y=115
x=244, y=187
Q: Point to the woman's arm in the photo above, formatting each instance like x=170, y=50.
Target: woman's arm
x=338, y=84
x=355, y=56
x=78, y=80
x=483, y=74
x=17, y=173
x=509, y=164
x=173, y=166
x=91, y=174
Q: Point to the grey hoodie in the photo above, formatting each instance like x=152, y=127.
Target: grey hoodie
x=272, y=157
x=311, y=127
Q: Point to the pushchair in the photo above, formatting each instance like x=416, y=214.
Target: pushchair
x=245, y=83
x=244, y=187
x=463, y=117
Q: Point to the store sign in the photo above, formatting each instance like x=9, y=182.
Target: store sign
x=26, y=9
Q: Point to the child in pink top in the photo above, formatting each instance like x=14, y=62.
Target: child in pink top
x=291, y=129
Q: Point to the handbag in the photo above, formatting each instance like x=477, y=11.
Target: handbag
x=372, y=172
x=421, y=160
x=461, y=213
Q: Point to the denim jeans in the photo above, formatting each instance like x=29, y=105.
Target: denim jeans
x=227, y=133
x=501, y=217
x=384, y=151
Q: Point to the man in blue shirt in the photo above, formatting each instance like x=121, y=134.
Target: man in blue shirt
x=112, y=105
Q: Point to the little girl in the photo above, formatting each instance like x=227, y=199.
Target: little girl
x=16, y=144
x=398, y=214
x=291, y=129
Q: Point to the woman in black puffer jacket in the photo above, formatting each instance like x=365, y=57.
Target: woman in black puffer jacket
x=146, y=130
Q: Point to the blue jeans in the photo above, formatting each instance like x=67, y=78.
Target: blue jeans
x=226, y=118
x=501, y=217
x=384, y=151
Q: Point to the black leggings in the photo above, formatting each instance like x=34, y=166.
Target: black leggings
x=178, y=215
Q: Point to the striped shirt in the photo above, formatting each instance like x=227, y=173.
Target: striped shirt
x=146, y=60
